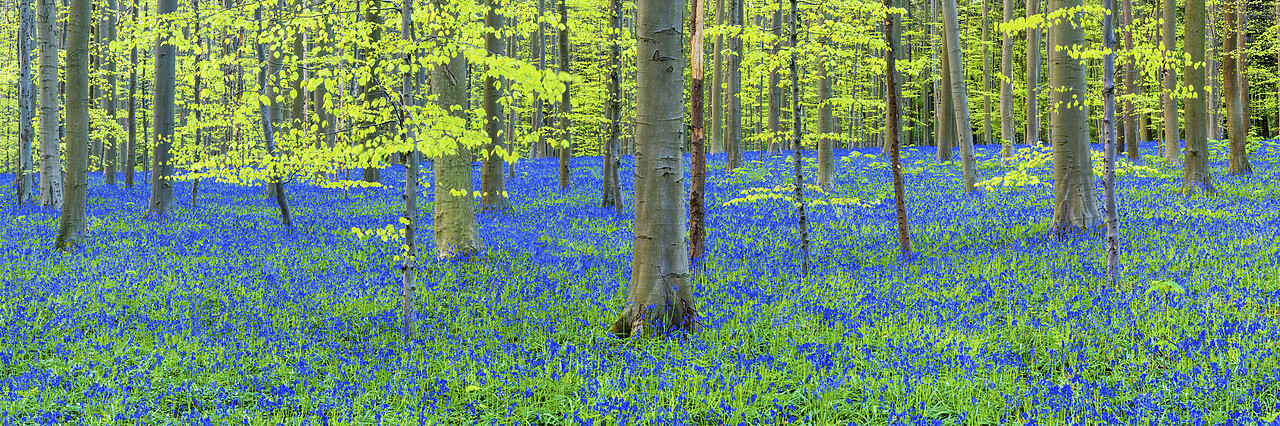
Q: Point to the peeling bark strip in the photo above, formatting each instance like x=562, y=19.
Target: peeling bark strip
x=659, y=297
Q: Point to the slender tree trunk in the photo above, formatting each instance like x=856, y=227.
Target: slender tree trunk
x=1130, y=115
x=826, y=153
x=110, y=102
x=697, y=219
x=797, y=147
x=899, y=194
x=775, y=86
x=611, y=195
x=566, y=108
x=732, y=142
x=1171, y=138
x=946, y=117
x=372, y=171
x=1007, y=138
x=71, y=223
x=160, y=203
x=1075, y=204
x=659, y=297
x=1109, y=142
x=986, y=78
x=540, y=50
x=27, y=102
x=1033, y=78
x=1196, y=175
x=1242, y=62
x=1215, y=110
x=50, y=152
x=268, y=132
x=959, y=94
x=130, y=149
x=717, y=84
x=1238, y=128
x=408, y=269
x=492, y=183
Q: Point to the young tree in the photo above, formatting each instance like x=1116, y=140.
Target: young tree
x=717, y=84
x=659, y=297
x=611, y=195
x=566, y=107
x=697, y=215
x=71, y=223
x=27, y=102
x=160, y=203
x=826, y=152
x=492, y=183
x=1238, y=127
x=130, y=148
x=408, y=269
x=796, y=147
x=454, y=207
x=110, y=101
x=1130, y=115
x=1006, y=89
x=1171, y=147
x=1075, y=204
x=371, y=98
x=945, y=119
x=1195, y=174
x=732, y=142
x=1033, y=77
x=959, y=94
x=775, y=86
x=986, y=79
x=268, y=131
x=538, y=45
x=1109, y=141
x=50, y=154
x=904, y=233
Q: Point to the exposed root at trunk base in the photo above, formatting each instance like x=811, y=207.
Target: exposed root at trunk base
x=644, y=321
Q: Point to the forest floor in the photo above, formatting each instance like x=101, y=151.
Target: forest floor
x=219, y=317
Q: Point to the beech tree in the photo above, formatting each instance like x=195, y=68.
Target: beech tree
x=1237, y=124
x=71, y=223
x=160, y=203
x=27, y=102
x=493, y=188
x=1171, y=146
x=50, y=154
x=959, y=93
x=1075, y=203
x=1195, y=174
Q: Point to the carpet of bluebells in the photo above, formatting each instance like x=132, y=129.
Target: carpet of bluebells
x=218, y=316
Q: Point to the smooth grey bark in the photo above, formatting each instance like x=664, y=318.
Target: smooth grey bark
x=130, y=148
x=455, y=231
x=539, y=47
x=160, y=203
x=796, y=147
x=1195, y=167
x=492, y=180
x=409, y=267
x=71, y=223
x=732, y=141
x=268, y=132
x=110, y=35
x=372, y=171
x=1007, y=137
x=1170, y=137
x=1130, y=115
x=1232, y=68
x=959, y=94
x=826, y=153
x=775, y=86
x=659, y=297
x=946, y=120
x=50, y=145
x=1075, y=203
x=27, y=103
x=717, y=84
x=1033, y=78
x=986, y=78
x=1109, y=142
x=566, y=107
x=611, y=193
x=1215, y=70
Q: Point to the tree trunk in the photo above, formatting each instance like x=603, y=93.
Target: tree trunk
x=110, y=35
x=1238, y=128
x=1109, y=142
x=659, y=297
x=1007, y=138
x=697, y=214
x=1171, y=138
x=27, y=102
x=946, y=116
x=160, y=203
x=408, y=269
x=50, y=152
x=1033, y=78
x=775, y=86
x=71, y=223
x=899, y=78
x=566, y=108
x=454, y=208
x=268, y=132
x=796, y=146
x=539, y=51
x=964, y=126
x=372, y=169
x=732, y=142
x=130, y=149
x=1242, y=63
x=1075, y=203
x=826, y=153
x=1195, y=174
x=493, y=195
x=1130, y=116
x=611, y=194
x=1215, y=110
x=891, y=68
x=986, y=78
x=717, y=84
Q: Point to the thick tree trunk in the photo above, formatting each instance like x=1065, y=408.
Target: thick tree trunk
x=50, y=145
x=899, y=194
x=1007, y=138
x=1195, y=172
x=372, y=169
x=826, y=153
x=454, y=207
x=775, y=87
x=946, y=117
x=493, y=186
x=1237, y=127
x=27, y=102
x=539, y=51
x=959, y=94
x=1130, y=116
x=160, y=203
x=1033, y=78
x=71, y=224
x=110, y=35
x=697, y=214
x=566, y=107
x=1075, y=203
x=732, y=142
x=1171, y=146
x=659, y=297
x=130, y=148
x=611, y=194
